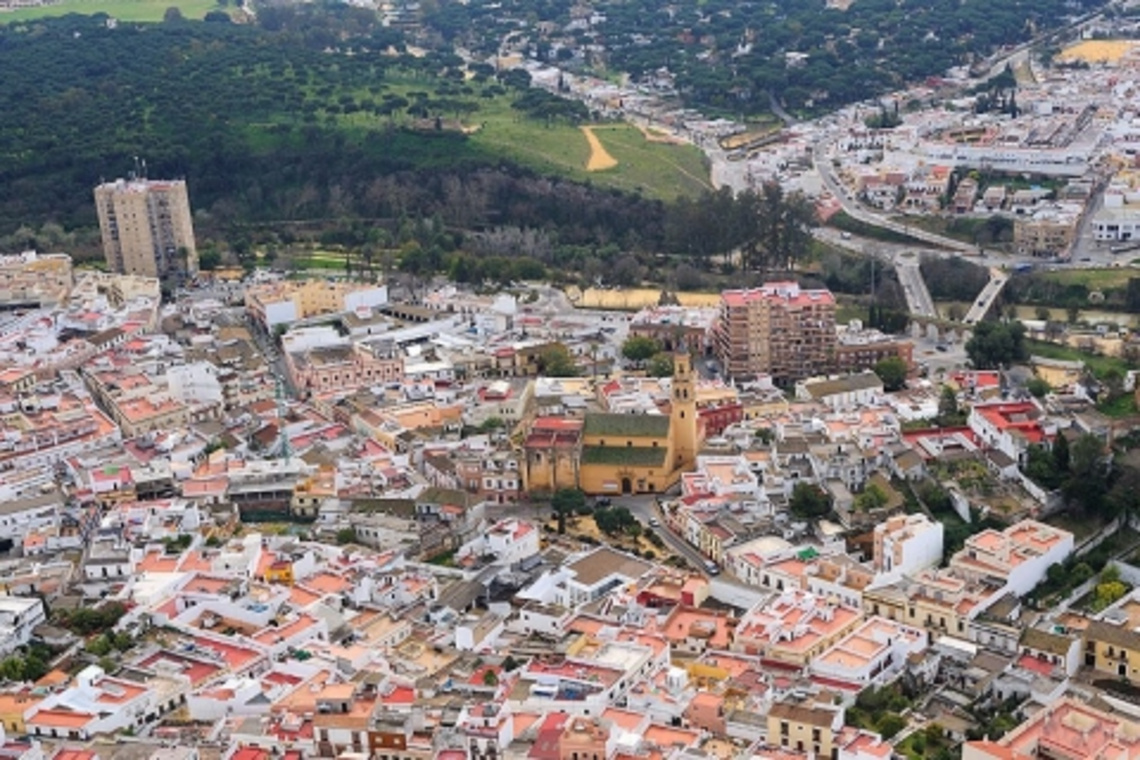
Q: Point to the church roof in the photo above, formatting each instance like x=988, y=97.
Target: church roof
x=630, y=456
x=632, y=425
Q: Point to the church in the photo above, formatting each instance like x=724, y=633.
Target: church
x=612, y=454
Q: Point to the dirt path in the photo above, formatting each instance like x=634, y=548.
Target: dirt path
x=600, y=158
x=655, y=136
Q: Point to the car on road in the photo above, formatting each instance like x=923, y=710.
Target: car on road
x=654, y=522
x=602, y=501
x=712, y=568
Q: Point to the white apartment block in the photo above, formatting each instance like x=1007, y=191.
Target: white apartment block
x=18, y=617
x=905, y=544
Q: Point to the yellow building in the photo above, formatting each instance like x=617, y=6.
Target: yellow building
x=13, y=705
x=552, y=454
x=804, y=727
x=642, y=453
x=1113, y=648
x=279, y=571
x=617, y=453
x=286, y=301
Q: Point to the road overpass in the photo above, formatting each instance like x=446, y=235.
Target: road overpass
x=985, y=299
x=918, y=299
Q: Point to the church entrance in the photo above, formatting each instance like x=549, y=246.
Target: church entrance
x=626, y=486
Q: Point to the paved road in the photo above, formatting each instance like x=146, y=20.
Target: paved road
x=723, y=589
x=918, y=298
x=854, y=209
x=985, y=300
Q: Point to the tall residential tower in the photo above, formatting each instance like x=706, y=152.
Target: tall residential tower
x=146, y=226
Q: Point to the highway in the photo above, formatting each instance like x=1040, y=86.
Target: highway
x=853, y=209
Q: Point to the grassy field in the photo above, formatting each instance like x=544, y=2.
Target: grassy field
x=657, y=169
x=1094, y=279
x=124, y=10
x=1098, y=364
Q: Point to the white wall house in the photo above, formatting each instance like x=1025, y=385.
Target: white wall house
x=874, y=653
x=905, y=544
x=18, y=616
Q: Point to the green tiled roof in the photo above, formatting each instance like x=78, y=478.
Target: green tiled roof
x=630, y=456
x=631, y=425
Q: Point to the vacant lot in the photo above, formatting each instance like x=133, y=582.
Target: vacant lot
x=633, y=299
x=1098, y=51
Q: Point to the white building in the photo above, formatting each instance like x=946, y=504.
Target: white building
x=19, y=516
x=905, y=544
x=18, y=616
x=873, y=653
x=95, y=704
x=1018, y=556
x=195, y=383
x=847, y=392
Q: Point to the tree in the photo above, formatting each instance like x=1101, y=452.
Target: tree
x=489, y=678
x=1109, y=590
x=947, y=404
x=892, y=371
x=1088, y=465
x=99, y=646
x=661, y=365
x=639, y=348
x=873, y=497
x=346, y=536
x=996, y=344
x=491, y=424
x=1061, y=452
x=172, y=15
x=556, y=361
x=566, y=501
x=1038, y=387
x=809, y=501
x=209, y=259
x=510, y=664
x=889, y=724
x=615, y=520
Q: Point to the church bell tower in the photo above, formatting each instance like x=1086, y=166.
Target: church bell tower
x=684, y=412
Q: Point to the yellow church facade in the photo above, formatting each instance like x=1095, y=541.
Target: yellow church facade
x=623, y=453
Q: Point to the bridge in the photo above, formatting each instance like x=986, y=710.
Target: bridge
x=985, y=300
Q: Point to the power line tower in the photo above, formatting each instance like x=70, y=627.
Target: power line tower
x=282, y=437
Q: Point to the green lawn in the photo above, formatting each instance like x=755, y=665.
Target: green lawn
x=1094, y=279
x=656, y=169
x=1098, y=364
x=659, y=170
x=124, y=10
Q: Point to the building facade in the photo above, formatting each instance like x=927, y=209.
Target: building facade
x=777, y=329
x=146, y=227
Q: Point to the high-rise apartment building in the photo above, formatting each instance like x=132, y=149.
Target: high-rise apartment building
x=147, y=228
x=777, y=329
